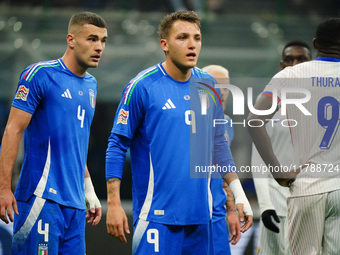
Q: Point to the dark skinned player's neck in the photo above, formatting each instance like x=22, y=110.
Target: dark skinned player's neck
x=329, y=53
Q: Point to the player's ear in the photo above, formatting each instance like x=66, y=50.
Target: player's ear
x=70, y=40
x=315, y=43
x=282, y=65
x=164, y=45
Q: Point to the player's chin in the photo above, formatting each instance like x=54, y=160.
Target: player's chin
x=93, y=64
x=191, y=64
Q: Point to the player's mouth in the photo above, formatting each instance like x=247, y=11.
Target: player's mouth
x=191, y=56
x=95, y=58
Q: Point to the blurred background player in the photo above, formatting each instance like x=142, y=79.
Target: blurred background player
x=223, y=199
x=313, y=205
x=272, y=197
x=155, y=118
x=54, y=105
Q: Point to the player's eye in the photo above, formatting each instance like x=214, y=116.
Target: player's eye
x=288, y=60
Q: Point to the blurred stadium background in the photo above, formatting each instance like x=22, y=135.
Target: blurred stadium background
x=245, y=36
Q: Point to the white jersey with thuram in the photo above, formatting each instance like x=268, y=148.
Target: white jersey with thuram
x=309, y=95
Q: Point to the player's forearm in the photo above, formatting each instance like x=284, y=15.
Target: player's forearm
x=9, y=152
x=113, y=192
x=229, y=177
x=230, y=203
x=263, y=145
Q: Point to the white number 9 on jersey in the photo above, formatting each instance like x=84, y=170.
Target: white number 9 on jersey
x=152, y=236
x=190, y=120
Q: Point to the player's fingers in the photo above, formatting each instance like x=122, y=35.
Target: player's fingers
x=121, y=234
x=126, y=226
x=276, y=218
x=3, y=215
x=10, y=214
x=97, y=217
x=236, y=233
x=15, y=207
x=91, y=216
x=239, y=208
x=232, y=229
x=111, y=228
x=247, y=224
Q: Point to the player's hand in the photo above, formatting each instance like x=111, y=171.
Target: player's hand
x=247, y=220
x=93, y=213
x=286, y=179
x=93, y=206
x=234, y=226
x=267, y=219
x=7, y=202
x=117, y=223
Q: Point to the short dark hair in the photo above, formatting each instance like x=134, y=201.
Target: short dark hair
x=297, y=43
x=328, y=33
x=82, y=18
x=168, y=20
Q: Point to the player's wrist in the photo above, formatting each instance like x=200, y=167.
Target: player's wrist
x=91, y=198
x=240, y=196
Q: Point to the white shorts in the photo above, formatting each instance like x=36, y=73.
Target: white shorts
x=314, y=224
x=273, y=243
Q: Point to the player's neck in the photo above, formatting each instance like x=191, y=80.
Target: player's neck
x=331, y=52
x=175, y=72
x=72, y=64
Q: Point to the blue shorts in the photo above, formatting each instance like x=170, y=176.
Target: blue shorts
x=220, y=236
x=45, y=227
x=156, y=238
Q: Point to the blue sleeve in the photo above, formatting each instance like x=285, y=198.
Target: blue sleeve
x=115, y=156
x=222, y=153
x=30, y=91
x=130, y=111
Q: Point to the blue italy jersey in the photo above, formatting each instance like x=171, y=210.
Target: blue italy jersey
x=216, y=185
x=169, y=134
x=56, y=140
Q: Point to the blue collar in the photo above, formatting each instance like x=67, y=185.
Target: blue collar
x=328, y=59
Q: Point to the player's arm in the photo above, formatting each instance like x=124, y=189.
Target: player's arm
x=242, y=204
x=223, y=158
x=93, y=206
x=116, y=220
x=261, y=183
x=232, y=217
x=17, y=123
x=262, y=142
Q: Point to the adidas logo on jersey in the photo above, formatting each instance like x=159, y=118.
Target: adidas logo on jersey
x=67, y=94
x=169, y=105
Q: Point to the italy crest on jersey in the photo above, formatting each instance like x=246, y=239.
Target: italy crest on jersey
x=92, y=98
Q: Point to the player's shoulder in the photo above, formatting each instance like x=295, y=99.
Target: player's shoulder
x=40, y=69
x=142, y=80
x=90, y=77
x=203, y=77
x=147, y=75
x=298, y=70
x=201, y=74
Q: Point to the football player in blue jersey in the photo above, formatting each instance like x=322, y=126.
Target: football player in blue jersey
x=159, y=120
x=54, y=106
